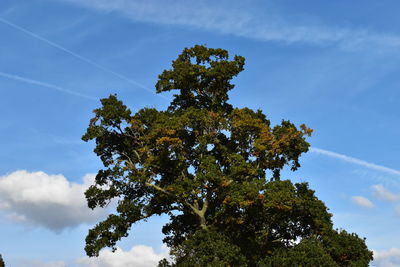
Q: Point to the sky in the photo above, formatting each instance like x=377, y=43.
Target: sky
x=332, y=65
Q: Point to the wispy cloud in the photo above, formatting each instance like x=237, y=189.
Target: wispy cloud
x=397, y=210
x=352, y=160
x=381, y=192
x=224, y=17
x=362, y=201
x=45, y=84
x=76, y=55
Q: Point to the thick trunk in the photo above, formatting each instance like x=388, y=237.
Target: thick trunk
x=203, y=223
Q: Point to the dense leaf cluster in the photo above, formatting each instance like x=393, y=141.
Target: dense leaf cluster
x=215, y=170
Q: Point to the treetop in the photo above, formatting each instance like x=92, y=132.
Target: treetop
x=203, y=77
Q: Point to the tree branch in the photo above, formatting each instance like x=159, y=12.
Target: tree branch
x=194, y=207
x=158, y=188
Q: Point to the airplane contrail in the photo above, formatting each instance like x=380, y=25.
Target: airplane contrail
x=76, y=55
x=44, y=84
x=354, y=160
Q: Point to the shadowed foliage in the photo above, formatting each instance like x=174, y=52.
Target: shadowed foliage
x=215, y=170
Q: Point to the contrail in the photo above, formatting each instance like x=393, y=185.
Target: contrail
x=354, y=160
x=72, y=53
x=44, y=84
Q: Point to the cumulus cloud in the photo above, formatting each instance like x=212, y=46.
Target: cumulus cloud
x=389, y=258
x=50, y=201
x=229, y=17
x=381, y=192
x=362, y=201
x=137, y=256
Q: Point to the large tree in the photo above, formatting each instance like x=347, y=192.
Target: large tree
x=215, y=170
x=2, y=264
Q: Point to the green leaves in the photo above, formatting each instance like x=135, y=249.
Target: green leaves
x=203, y=77
x=208, y=248
x=309, y=252
x=347, y=249
x=205, y=164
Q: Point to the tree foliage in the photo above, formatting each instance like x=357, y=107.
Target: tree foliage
x=309, y=252
x=215, y=170
x=2, y=264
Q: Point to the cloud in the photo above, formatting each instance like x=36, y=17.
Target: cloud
x=381, y=192
x=397, y=210
x=137, y=256
x=389, y=258
x=362, y=201
x=38, y=263
x=228, y=17
x=352, y=160
x=50, y=201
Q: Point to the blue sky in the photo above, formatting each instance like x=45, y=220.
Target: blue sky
x=330, y=64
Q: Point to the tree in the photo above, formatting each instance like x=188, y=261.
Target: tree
x=2, y=264
x=215, y=170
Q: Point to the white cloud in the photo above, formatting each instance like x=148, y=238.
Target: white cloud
x=381, y=192
x=137, y=256
x=349, y=159
x=50, y=201
x=362, y=201
x=229, y=17
x=389, y=258
x=38, y=263
x=397, y=210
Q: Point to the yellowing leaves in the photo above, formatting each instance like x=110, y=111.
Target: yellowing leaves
x=227, y=200
x=283, y=207
x=306, y=130
x=213, y=115
x=170, y=132
x=246, y=203
x=136, y=125
x=226, y=183
x=168, y=140
x=245, y=118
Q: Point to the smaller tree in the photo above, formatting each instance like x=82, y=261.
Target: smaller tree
x=2, y=264
x=207, y=247
x=347, y=249
x=309, y=252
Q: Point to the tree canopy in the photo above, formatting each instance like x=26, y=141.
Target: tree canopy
x=215, y=170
